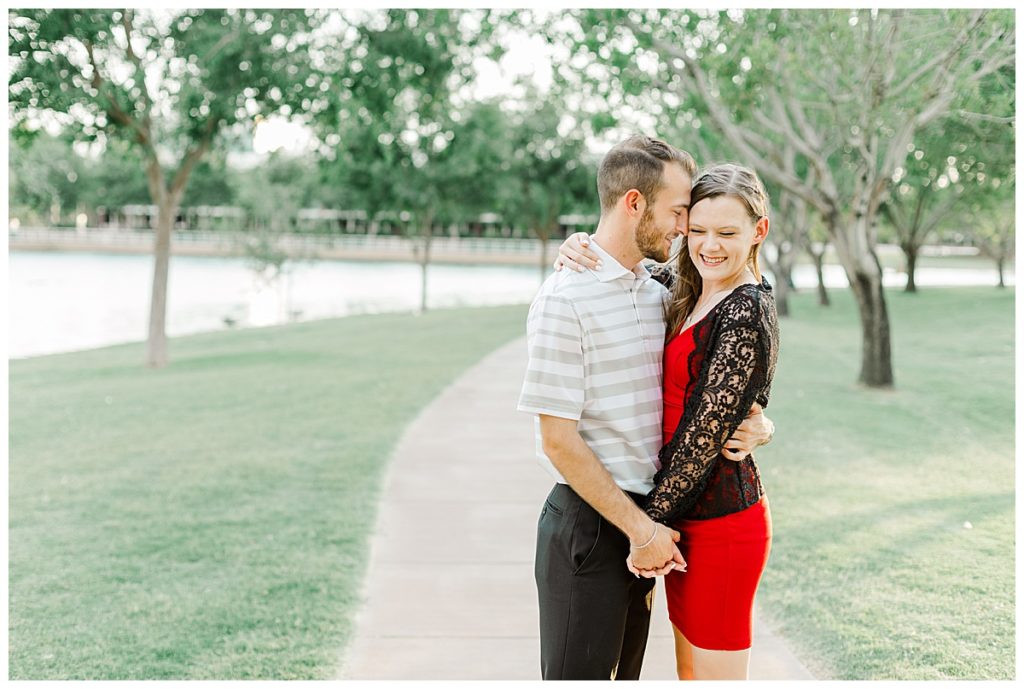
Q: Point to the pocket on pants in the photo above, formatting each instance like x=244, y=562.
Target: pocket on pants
x=554, y=538
x=554, y=509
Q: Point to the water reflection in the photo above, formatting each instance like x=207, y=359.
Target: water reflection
x=68, y=301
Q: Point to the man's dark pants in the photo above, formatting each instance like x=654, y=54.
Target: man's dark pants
x=594, y=614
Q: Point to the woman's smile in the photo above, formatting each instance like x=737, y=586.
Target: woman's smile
x=709, y=261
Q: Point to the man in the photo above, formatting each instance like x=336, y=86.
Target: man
x=594, y=381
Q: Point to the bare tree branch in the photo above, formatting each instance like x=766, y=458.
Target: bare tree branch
x=835, y=96
x=943, y=57
x=221, y=44
x=997, y=59
x=740, y=137
x=820, y=161
x=116, y=112
x=155, y=180
x=127, y=19
x=979, y=116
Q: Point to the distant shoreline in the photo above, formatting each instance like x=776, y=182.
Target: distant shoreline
x=372, y=248
x=465, y=251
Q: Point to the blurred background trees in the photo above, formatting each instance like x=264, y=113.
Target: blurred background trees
x=168, y=83
x=868, y=126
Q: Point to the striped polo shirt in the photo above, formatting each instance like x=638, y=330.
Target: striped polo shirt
x=596, y=341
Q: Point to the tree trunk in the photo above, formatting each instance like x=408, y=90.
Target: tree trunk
x=876, y=355
x=823, y=299
x=427, y=235
x=167, y=201
x=864, y=272
x=819, y=269
x=780, y=264
x=1001, y=266
x=781, y=288
x=156, y=345
x=786, y=285
x=782, y=297
x=910, y=252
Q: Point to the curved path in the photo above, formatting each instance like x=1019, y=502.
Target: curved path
x=449, y=591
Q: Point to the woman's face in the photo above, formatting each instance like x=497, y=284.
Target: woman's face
x=720, y=236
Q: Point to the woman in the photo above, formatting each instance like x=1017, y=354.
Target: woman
x=719, y=359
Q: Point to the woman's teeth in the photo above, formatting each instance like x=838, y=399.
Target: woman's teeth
x=712, y=261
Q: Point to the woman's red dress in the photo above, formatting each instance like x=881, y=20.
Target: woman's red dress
x=712, y=602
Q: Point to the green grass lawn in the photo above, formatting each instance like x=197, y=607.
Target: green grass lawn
x=873, y=574
x=210, y=520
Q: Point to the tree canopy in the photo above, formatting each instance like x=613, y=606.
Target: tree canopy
x=859, y=121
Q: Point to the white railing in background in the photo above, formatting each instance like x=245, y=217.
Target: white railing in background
x=233, y=240
x=305, y=243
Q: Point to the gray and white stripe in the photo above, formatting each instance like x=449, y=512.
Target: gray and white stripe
x=595, y=344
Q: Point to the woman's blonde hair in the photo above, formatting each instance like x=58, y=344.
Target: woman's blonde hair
x=726, y=179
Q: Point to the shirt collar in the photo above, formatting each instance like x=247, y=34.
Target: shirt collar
x=612, y=269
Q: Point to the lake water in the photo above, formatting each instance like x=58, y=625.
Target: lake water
x=61, y=302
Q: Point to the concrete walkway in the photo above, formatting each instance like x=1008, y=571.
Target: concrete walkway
x=449, y=592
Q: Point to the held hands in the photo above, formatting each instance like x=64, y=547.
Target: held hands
x=574, y=254
x=756, y=430
x=658, y=556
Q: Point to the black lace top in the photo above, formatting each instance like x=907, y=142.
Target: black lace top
x=733, y=362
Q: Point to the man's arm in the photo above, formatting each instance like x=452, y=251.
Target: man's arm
x=578, y=464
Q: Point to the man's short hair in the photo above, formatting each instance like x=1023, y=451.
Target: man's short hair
x=638, y=163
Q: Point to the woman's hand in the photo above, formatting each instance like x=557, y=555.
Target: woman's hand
x=658, y=556
x=650, y=573
x=574, y=254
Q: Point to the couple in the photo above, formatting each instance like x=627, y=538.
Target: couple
x=648, y=437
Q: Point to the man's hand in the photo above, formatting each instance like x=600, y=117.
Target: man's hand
x=590, y=479
x=756, y=430
x=658, y=558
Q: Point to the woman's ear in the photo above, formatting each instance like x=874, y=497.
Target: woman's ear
x=760, y=230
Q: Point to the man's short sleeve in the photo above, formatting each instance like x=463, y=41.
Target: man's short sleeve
x=554, y=382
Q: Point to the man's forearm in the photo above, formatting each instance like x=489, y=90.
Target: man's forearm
x=584, y=472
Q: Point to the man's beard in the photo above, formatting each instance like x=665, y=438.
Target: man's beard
x=649, y=241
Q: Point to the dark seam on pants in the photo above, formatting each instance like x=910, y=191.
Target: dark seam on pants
x=572, y=582
x=597, y=541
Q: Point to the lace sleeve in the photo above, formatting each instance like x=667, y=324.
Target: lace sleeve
x=663, y=273
x=707, y=423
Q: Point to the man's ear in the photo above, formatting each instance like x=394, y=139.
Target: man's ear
x=634, y=203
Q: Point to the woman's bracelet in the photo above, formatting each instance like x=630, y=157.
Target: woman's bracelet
x=653, y=536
